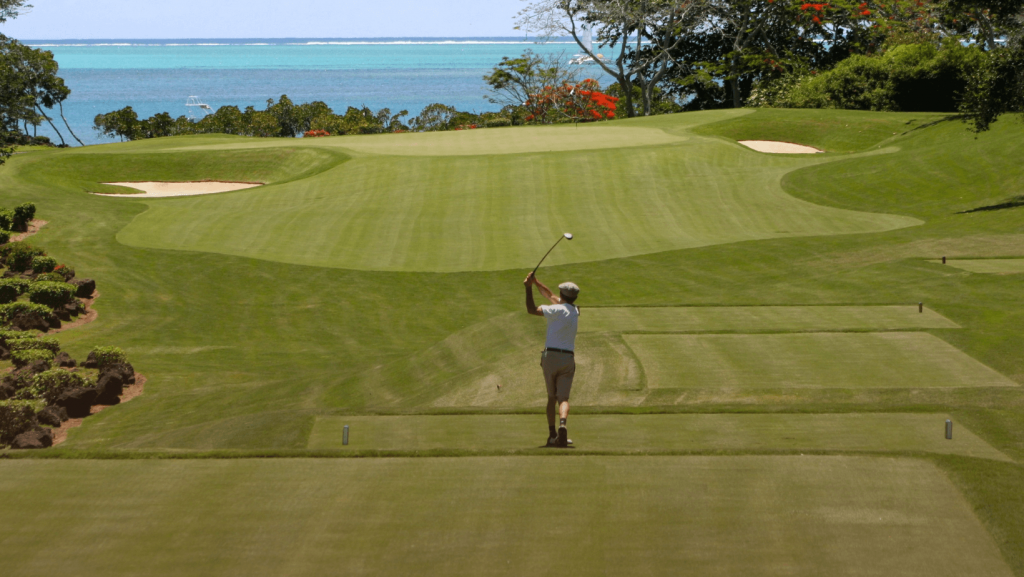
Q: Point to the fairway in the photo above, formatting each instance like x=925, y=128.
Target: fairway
x=826, y=360
x=757, y=319
x=655, y=433
x=988, y=265
x=494, y=212
x=802, y=516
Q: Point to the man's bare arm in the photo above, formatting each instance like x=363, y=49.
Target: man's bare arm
x=531, y=307
x=547, y=292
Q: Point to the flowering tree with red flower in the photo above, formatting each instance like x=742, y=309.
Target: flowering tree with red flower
x=582, y=102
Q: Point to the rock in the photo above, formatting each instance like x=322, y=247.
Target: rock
x=5, y=353
x=125, y=370
x=54, y=322
x=86, y=286
x=62, y=314
x=110, y=386
x=64, y=360
x=39, y=438
x=6, y=391
x=52, y=415
x=9, y=274
x=78, y=401
x=31, y=322
x=90, y=361
x=35, y=367
x=72, y=309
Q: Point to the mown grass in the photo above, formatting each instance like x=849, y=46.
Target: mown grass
x=246, y=347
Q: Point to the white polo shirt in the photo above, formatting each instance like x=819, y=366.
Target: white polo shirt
x=562, y=323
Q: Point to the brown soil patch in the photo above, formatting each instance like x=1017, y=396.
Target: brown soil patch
x=130, y=392
x=33, y=227
x=89, y=316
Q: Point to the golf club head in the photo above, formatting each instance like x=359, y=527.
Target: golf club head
x=568, y=235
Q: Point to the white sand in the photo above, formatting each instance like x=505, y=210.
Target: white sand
x=165, y=189
x=779, y=147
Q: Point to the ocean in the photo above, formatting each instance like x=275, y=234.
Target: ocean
x=155, y=76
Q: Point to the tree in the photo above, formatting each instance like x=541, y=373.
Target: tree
x=434, y=117
x=29, y=83
x=514, y=80
x=997, y=88
x=122, y=123
x=644, y=32
x=9, y=9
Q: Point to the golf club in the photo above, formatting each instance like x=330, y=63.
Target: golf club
x=567, y=235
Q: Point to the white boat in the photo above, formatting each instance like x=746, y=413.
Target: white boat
x=584, y=58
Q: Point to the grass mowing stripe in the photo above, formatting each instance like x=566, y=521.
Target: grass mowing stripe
x=652, y=433
x=492, y=516
x=827, y=360
x=755, y=319
x=987, y=265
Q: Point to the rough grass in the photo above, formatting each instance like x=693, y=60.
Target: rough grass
x=988, y=265
x=493, y=516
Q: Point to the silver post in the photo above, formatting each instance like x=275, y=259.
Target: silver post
x=344, y=435
x=949, y=429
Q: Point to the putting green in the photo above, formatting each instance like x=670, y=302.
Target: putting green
x=829, y=360
x=988, y=265
x=491, y=516
x=654, y=433
x=755, y=319
x=496, y=212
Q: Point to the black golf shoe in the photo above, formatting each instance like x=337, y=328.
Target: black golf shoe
x=563, y=437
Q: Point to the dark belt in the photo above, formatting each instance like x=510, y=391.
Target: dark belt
x=559, y=351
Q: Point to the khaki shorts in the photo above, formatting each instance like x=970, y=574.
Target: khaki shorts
x=559, y=369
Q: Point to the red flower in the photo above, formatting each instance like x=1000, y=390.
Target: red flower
x=816, y=20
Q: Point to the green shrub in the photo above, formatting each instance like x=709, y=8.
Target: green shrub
x=52, y=294
x=50, y=277
x=5, y=236
x=107, y=356
x=48, y=385
x=18, y=255
x=23, y=214
x=7, y=336
x=10, y=310
x=31, y=343
x=65, y=271
x=41, y=264
x=6, y=219
x=15, y=418
x=22, y=358
x=910, y=77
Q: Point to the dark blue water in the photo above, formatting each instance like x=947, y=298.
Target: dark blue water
x=159, y=76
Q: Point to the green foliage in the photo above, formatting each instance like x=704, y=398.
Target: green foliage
x=996, y=88
x=911, y=77
x=50, y=277
x=6, y=219
x=7, y=336
x=48, y=385
x=31, y=343
x=108, y=356
x=43, y=264
x=15, y=418
x=24, y=357
x=23, y=214
x=18, y=256
x=12, y=288
x=28, y=83
x=67, y=273
x=10, y=310
x=51, y=294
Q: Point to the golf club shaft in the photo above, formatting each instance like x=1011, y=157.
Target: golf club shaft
x=546, y=254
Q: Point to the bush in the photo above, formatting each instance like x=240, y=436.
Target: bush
x=15, y=418
x=23, y=214
x=107, y=356
x=50, y=277
x=11, y=310
x=29, y=343
x=911, y=77
x=41, y=264
x=7, y=336
x=6, y=219
x=18, y=255
x=48, y=385
x=5, y=236
x=65, y=271
x=23, y=358
x=52, y=294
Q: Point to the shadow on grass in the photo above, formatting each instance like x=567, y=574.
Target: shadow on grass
x=1010, y=203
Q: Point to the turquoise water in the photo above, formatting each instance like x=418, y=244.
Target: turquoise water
x=159, y=76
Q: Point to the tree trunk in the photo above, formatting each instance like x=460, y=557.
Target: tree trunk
x=51, y=125
x=61, y=105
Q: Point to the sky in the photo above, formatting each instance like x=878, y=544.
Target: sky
x=102, y=19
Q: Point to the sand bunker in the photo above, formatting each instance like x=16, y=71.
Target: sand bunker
x=774, y=147
x=164, y=189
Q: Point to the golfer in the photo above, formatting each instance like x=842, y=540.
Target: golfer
x=557, y=360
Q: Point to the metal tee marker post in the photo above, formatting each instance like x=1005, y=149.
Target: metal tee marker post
x=567, y=235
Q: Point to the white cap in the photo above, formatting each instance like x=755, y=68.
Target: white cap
x=569, y=289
